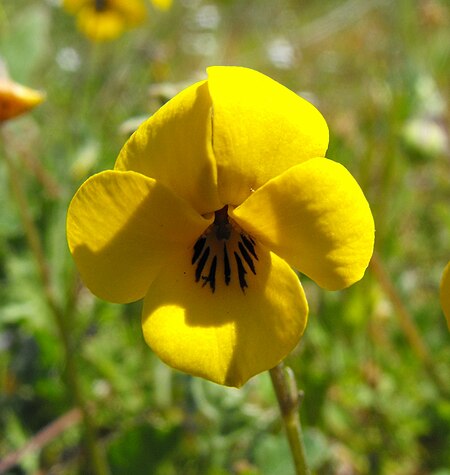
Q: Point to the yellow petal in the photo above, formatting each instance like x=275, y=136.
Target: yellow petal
x=134, y=12
x=174, y=147
x=445, y=293
x=121, y=227
x=260, y=129
x=162, y=4
x=16, y=99
x=233, y=333
x=100, y=26
x=316, y=217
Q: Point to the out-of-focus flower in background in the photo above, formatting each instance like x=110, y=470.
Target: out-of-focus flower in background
x=15, y=99
x=103, y=20
x=162, y=4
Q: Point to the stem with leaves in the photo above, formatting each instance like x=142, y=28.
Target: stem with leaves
x=95, y=454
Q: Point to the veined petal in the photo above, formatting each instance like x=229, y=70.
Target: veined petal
x=174, y=147
x=445, y=293
x=121, y=227
x=229, y=335
x=316, y=217
x=260, y=129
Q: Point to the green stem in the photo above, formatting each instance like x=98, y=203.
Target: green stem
x=96, y=456
x=288, y=396
x=406, y=322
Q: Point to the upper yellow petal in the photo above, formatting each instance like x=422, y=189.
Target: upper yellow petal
x=174, y=147
x=316, y=217
x=231, y=334
x=260, y=129
x=445, y=293
x=122, y=227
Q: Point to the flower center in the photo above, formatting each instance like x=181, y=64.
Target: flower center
x=224, y=249
x=100, y=5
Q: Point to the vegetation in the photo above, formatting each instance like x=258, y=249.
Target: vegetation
x=374, y=363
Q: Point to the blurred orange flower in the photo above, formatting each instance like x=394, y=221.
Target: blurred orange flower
x=16, y=99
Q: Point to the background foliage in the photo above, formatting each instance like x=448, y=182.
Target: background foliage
x=374, y=362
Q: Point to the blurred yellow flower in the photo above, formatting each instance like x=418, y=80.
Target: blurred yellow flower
x=103, y=20
x=162, y=4
x=210, y=202
x=445, y=293
x=16, y=99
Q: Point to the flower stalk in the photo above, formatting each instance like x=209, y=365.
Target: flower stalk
x=95, y=455
x=288, y=397
x=406, y=322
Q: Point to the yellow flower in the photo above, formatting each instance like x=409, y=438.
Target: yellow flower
x=102, y=20
x=445, y=293
x=16, y=99
x=162, y=4
x=209, y=203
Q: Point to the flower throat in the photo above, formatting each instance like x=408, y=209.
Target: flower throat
x=224, y=248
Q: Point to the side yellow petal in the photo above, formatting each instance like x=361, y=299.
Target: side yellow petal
x=316, y=217
x=230, y=335
x=122, y=227
x=445, y=293
x=260, y=129
x=174, y=147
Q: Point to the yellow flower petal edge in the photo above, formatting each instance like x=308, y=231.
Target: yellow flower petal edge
x=227, y=336
x=16, y=99
x=260, y=129
x=174, y=147
x=445, y=293
x=122, y=227
x=316, y=217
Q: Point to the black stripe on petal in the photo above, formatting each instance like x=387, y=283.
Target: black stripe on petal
x=241, y=272
x=250, y=245
x=226, y=265
x=198, y=248
x=211, y=279
x=201, y=264
x=247, y=257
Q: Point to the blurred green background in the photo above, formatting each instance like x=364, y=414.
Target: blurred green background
x=374, y=361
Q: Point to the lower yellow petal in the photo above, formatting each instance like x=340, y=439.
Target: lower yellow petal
x=445, y=293
x=316, y=217
x=122, y=227
x=233, y=333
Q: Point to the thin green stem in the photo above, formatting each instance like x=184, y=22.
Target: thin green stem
x=406, y=321
x=96, y=456
x=288, y=397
